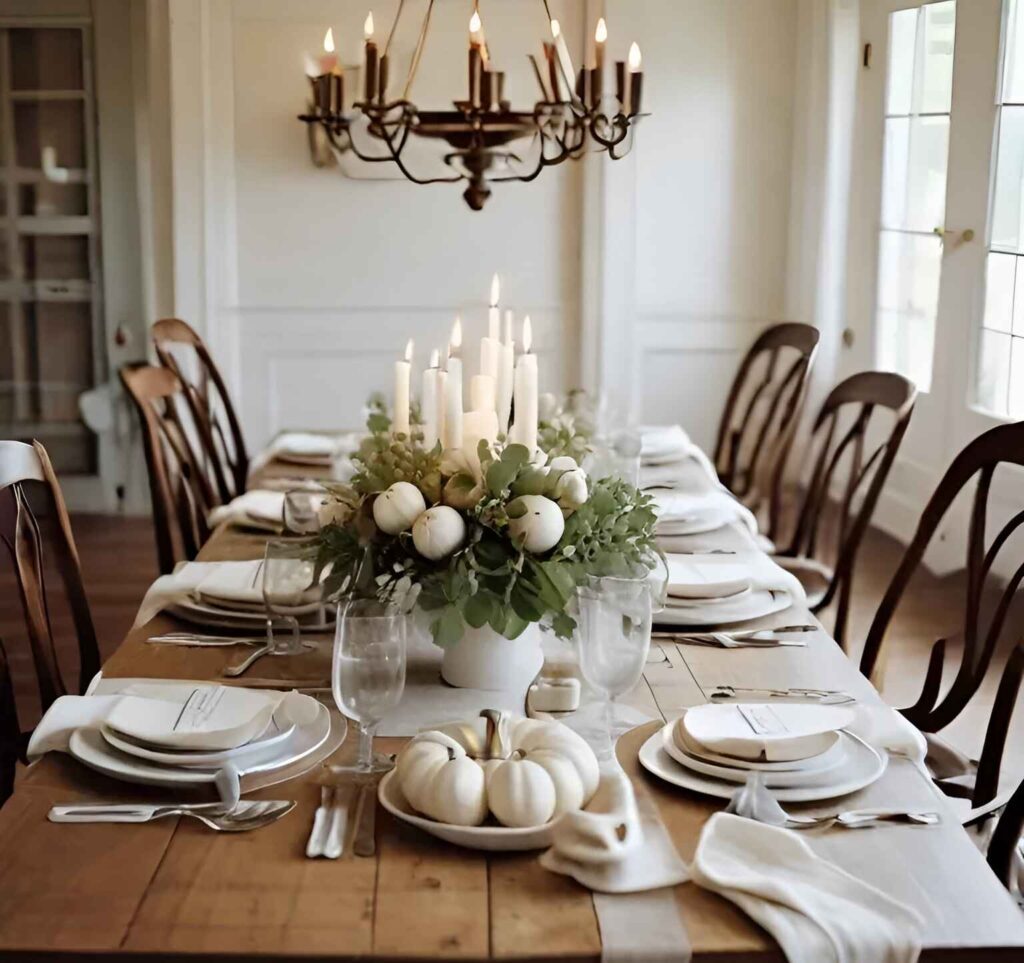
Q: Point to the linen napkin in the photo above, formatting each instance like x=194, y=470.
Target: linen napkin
x=816, y=911
x=68, y=713
x=665, y=451
x=618, y=844
x=689, y=575
x=883, y=727
x=302, y=445
x=256, y=508
x=235, y=581
x=677, y=511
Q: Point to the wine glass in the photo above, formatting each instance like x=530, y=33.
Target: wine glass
x=614, y=638
x=289, y=590
x=300, y=512
x=368, y=671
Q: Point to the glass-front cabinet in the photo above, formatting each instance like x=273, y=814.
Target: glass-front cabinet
x=50, y=314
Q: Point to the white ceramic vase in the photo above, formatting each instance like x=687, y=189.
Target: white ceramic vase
x=483, y=659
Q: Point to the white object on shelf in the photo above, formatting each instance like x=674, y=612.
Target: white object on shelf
x=59, y=175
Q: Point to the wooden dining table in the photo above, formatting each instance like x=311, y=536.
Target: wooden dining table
x=172, y=889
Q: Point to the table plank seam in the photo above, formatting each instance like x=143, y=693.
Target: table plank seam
x=146, y=889
x=696, y=681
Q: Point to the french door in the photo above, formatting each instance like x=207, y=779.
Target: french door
x=928, y=131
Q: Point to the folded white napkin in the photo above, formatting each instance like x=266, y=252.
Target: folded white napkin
x=665, y=451
x=883, y=727
x=816, y=911
x=234, y=581
x=146, y=700
x=304, y=443
x=618, y=844
x=690, y=575
x=256, y=508
x=677, y=511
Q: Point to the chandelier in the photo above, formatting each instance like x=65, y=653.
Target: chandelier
x=484, y=135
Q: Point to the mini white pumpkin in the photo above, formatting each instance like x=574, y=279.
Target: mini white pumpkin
x=540, y=526
x=520, y=793
x=562, y=463
x=441, y=781
x=571, y=489
x=397, y=508
x=438, y=532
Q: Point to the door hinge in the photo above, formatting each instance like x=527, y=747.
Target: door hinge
x=867, y=55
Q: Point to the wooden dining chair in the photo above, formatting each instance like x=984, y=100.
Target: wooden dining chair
x=209, y=402
x=870, y=408
x=982, y=624
x=763, y=407
x=27, y=479
x=181, y=493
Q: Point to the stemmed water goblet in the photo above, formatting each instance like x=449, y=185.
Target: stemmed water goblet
x=288, y=590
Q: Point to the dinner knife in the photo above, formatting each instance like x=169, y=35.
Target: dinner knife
x=321, y=819
x=334, y=844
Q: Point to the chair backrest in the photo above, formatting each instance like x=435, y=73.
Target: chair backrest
x=210, y=404
x=840, y=435
x=763, y=407
x=26, y=473
x=180, y=491
x=981, y=631
x=1005, y=837
x=10, y=731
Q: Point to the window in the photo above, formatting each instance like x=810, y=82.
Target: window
x=1000, y=375
x=918, y=98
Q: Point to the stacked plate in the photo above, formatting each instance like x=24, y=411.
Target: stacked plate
x=707, y=590
x=805, y=752
x=183, y=734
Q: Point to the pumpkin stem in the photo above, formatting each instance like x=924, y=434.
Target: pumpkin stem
x=494, y=746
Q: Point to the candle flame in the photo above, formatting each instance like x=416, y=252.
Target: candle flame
x=329, y=41
x=527, y=334
x=601, y=32
x=495, y=291
x=556, y=28
x=456, y=340
x=435, y=358
x=474, y=23
x=634, y=57
x=368, y=26
x=408, y=350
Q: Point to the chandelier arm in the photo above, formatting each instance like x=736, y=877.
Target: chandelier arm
x=418, y=52
x=394, y=25
x=396, y=157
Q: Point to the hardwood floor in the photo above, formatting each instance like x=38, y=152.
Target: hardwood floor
x=119, y=562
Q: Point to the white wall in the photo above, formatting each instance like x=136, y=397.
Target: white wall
x=663, y=265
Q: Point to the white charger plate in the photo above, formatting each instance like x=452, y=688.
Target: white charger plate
x=89, y=747
x=199, y=613
x=864, y=766
x=705, y=519
x=742, y=608
x=490, y=838
x=774, y=776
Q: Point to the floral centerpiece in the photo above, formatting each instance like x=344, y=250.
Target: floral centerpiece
x=487, y=541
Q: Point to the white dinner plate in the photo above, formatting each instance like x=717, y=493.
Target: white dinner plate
x=774, y=775
x=751, y=605
x=489, y=837
x=315, y=740
x=734, y=762
x=863, y=766
x=706, y=518
x=201, y=613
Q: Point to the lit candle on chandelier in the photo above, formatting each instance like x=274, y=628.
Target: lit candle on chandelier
x=453, y=390
x=526, y=397
x=476, y=57
x=636, y=79
x=403, y=369
x=369, y=60
x=326, y=78
x=597, y=74
x=428, y=402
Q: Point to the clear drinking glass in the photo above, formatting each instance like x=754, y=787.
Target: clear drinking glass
x=289, y=591
x=300, y=512
x=368, y=671
x=614, y=638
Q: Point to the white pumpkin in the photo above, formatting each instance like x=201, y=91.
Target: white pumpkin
x=441, y=781
x=438, y=532
x=396, y=509
x=570, y=490
x=532, y=736
x=562, y=463
x=540, y=526
x=520, y=793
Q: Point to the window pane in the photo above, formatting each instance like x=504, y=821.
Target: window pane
x=937, y=57
x=1006, y=197
x=909, y=268
x=1013, y=65
x=999, y=291
x=902, y=37
x=993, y=371
x=914, y=179
x=1018, y=300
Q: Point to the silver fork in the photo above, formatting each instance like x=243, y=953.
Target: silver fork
x=196, y=639
x=726, y=641
x=248, y=814
x=863, y=818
